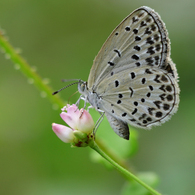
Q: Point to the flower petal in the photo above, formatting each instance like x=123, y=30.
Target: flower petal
x=63, y=132
x=72, y=115
x=71, y=120
x=72, y=110
x=85, y=122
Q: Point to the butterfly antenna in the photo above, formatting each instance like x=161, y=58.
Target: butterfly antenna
x=67, y=80
x=64, y=88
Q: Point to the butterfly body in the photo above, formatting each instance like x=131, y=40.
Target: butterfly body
x=133, y=79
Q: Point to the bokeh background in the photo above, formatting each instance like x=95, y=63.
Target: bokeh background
x=60, y=39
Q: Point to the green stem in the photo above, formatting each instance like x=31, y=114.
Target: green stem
x=126, y=173
x=25, y=68
x=111, y=153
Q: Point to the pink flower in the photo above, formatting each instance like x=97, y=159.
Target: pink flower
x=80, y=122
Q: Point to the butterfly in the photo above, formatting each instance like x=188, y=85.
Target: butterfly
x=133, y=79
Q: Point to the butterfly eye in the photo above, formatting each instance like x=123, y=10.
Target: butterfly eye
x=82, y=86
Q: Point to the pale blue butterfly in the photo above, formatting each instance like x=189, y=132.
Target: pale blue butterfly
x=133, y=79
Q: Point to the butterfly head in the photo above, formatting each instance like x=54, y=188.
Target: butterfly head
x=82, y=87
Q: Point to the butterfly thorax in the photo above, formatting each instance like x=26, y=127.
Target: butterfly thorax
x=88, y=95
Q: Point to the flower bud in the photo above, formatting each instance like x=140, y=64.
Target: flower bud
x=63, y=132
x=81, y=125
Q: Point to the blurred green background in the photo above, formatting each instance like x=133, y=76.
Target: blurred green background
x=61, y=38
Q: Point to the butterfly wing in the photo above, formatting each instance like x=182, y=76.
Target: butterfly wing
x=143, y=97
x=140, y=39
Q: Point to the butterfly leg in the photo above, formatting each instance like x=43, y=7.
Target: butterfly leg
x=98, y=121
x=85, y=100
x=89, y=107
x=78, y=101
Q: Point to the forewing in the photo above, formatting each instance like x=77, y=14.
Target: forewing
x=140, y=39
